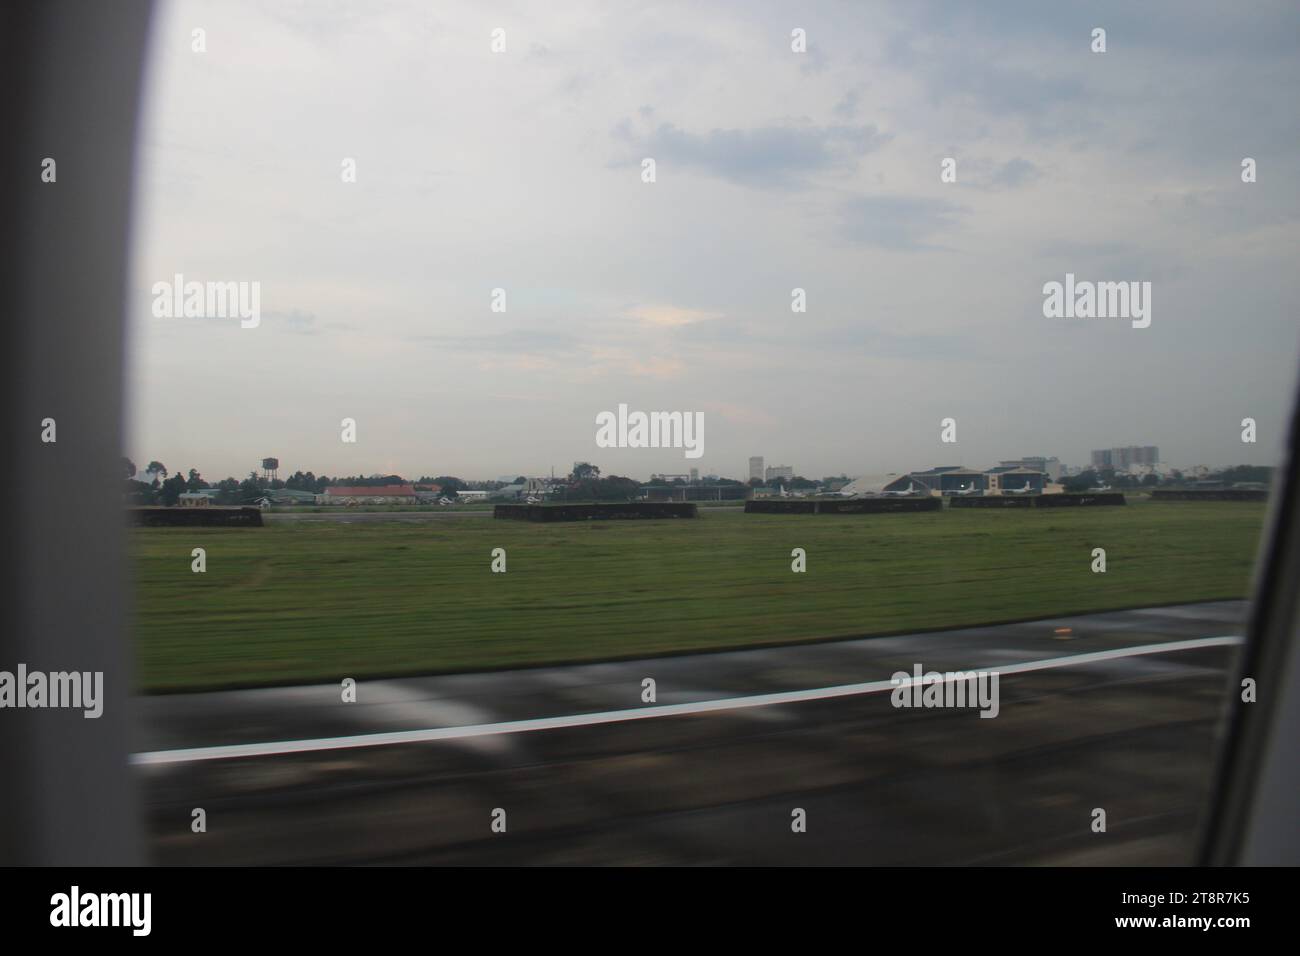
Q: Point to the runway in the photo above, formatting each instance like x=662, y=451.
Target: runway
x=712, y=770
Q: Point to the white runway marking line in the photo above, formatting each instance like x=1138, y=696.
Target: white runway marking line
x=271, y=748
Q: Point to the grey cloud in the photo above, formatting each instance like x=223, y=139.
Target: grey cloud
x=1075, y=248
x=898, y=222
x=814, y=61
x=867, y=340
x=876, y=342
x=1015, y=172
x=515, y=342
x=1240, y=209
x=767, y=157
x=294, y=320
x=847, y=107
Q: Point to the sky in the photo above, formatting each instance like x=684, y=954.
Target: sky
x=820, y=170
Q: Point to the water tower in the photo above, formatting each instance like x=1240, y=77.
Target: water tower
x=270, y=468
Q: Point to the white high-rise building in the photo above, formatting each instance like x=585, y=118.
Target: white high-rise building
x=756, y=468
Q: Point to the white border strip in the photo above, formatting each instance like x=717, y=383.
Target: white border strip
x=272, y=748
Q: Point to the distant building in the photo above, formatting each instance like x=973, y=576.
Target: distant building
x=695, y=492
x=942, y=480
x=695, y=476
x=1014, y=478
x=1006, y=478
x=756, y=468
x=1122, y=459
x=429, y=493
x=194, y=499
x=1051, y=467
x=875, y=484
x=778, y=471
x=949, y=480
x=369, y=494
x=538, y=487
x=289, y=496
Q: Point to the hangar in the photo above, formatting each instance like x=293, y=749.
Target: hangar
x=943, y=480
x=950, y=480
x=1012, y=478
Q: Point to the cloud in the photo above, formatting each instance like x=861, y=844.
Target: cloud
x=529, y=342
x=608, y=361
x=670, y=316
x=295, y=321
x=1238, y=209
x=814, y=61
x=898, y=222
x=1014, y=173
x=876, y=342
x=773, y=157
x=847, y=107
x=741, y=414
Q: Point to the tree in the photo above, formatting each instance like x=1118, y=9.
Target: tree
x=227, y=491
x=304, y=481
x=139, y=493
x=196, y=481
x=450, y=485
x=172, y=489
x=583, y=470
x=1252, y=473
x=360, y=481
x=157, y=469
x=618, y=488
x=128, y=466
x=1080, y=482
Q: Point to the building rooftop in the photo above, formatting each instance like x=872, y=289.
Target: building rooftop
x=358, y=491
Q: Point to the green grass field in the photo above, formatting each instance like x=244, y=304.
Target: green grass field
x=306, y=601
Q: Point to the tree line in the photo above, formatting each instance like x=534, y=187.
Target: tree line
x=584, y=483
x=165, y=487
